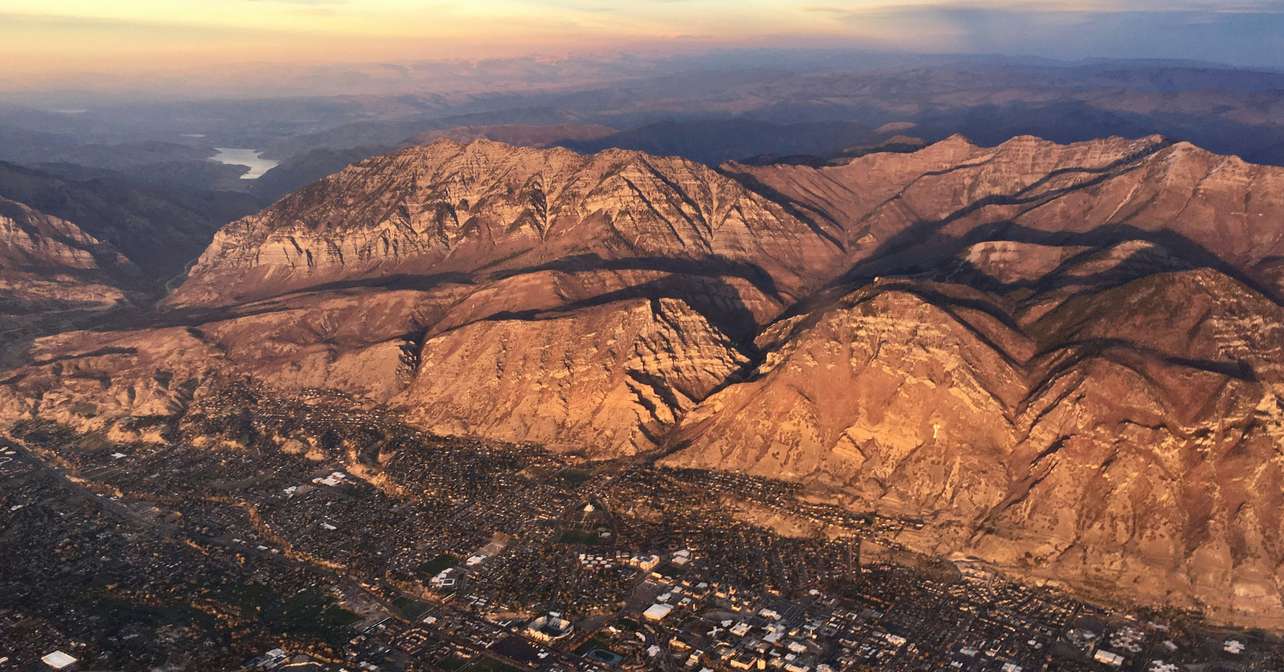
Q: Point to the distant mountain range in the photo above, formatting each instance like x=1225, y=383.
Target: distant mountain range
x=712, y=109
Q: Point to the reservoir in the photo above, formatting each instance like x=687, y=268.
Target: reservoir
x=244, y=157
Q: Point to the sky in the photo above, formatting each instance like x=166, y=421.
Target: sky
x=44, y=42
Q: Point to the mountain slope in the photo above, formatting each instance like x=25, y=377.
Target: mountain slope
x=608, y=380
x=451, y=208
x=400, y=276
x=1067, y=360
x=159, y=229
x=1130, y=436
x=49, y=263
x=913, y=211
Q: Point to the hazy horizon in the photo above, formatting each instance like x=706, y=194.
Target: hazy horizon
x=242, y=45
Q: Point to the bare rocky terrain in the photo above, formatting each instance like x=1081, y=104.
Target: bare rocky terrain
x=1068, y=360
x=48, y=259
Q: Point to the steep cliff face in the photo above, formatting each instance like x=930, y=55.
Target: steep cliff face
x=1067, y=360
x=451, y=208
x=915, y=210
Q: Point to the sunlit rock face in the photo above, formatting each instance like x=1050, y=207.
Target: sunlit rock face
x=48, y=262
x=485, y=206
x=1067, y=360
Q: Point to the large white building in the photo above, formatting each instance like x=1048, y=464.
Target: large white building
x=58, y=660
x=657, y=612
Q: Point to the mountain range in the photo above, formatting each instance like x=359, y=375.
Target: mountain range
x=1066, y=360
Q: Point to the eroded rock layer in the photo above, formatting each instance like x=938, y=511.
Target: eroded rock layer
x=451, y=208
x=49, y=263
x=1130, y=437
x=1067, y=360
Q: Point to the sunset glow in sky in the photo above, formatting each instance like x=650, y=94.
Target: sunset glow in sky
x=44, y=39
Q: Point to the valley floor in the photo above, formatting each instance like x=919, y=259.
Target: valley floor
x=266, y=533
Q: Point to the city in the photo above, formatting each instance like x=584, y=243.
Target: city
x=264, y=533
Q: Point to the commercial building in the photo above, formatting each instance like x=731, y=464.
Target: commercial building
x=657, y=612
x=59, y=661
x=549, y=628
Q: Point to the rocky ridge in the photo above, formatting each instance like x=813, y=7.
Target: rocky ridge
x=1068, y=360
x=486, y=206
x=49, y=261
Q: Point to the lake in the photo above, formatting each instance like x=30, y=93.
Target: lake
x=250, y=158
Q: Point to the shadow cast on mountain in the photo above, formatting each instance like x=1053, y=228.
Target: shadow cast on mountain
x=715, y=300
x=699, y=267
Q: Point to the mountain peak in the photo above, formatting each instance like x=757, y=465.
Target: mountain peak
x=960, y=333
x=450, y=207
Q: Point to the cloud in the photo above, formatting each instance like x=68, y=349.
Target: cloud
x=1240, y=33
x=61, y=24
